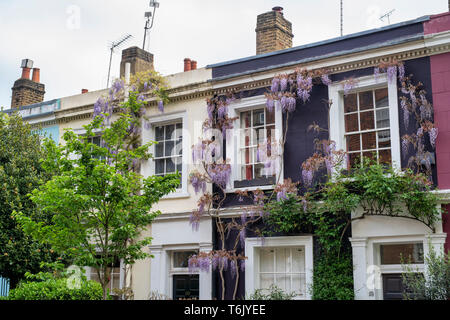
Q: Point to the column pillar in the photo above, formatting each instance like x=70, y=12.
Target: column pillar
x=205, y=278
x=359, y=252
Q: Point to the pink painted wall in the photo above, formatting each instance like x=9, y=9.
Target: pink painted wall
x=440, y=78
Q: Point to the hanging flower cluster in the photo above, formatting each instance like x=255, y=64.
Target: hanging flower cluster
x=216, y=260
x=414, y=104
x=286, y=89
x=285, y=189
x=326, y=156
x=349, y=85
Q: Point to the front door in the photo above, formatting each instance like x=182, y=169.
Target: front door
x=392, y=287
x=186, y=287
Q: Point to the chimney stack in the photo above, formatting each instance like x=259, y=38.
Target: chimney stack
x=139, y=59
x=83, y=91
x=273, y=32
x=26, y=91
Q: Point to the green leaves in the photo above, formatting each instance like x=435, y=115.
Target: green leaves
x=98, y=202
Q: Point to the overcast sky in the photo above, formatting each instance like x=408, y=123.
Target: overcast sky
x=68, y=39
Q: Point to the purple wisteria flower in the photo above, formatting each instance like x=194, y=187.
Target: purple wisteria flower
x=220, y=174
x=161, y=106
x=283, y=84
x=405, y=146
x=392, y=73
x=401, y=72
x=376, y=73
x=270, y=104
x=406, y=113
x=210, y=109
x=433, y=133
x=275, y=85
x=307, y=176
x=222, y=111
x=197, y=181
x=326, y=79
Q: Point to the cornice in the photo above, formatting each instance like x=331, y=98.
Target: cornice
x=264, y=78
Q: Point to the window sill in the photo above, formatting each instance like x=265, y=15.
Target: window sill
x=176, y=195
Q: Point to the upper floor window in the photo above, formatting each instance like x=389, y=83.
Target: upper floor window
x=257, y=128
x=168, y=154
x=367, y=126
x=365, y=121
x=252, y=148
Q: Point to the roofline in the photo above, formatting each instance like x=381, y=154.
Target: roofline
x=326, y=56
x=31, y=106
x=316, y=44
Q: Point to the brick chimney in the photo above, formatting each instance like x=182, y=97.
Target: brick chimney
x=26, y=91
x=139, y=59
x=273, y=32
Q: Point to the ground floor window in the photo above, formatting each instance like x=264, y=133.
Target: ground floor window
x=115, y=277
x=284, y=268
x=286, y=262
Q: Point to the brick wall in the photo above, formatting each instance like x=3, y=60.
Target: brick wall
x=139, y=59
x=273, y=32
x=26, y=92
x=440, y=78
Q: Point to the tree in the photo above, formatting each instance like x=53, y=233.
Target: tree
x=99, y=201
x=20, y=173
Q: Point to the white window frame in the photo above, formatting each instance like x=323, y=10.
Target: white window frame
x=233, y=142
x=337, y=120
x=90, y=270
x=252, y=250
x=374, y=255
x=167, y=119
x=161, y=271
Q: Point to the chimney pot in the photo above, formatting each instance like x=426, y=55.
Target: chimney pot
x=278, y=9
x=193, y=65
x=26, y=73
x=83, y=91
x=187, y=64
x=36, y=75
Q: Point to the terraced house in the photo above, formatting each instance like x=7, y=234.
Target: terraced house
x=366, y=117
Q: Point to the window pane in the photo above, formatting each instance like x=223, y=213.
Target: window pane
x=281, y=260
x=393, y=253
x=159, y=166
x=159, y=150
x=381, y=98
x=284, y=282
x=258, y=136
x=270, y=117
x=259, y=171
x=170, y=165
x=367, y=120
x=383, y=118
x=245, y=119
x=369, y=141
x=267, y=260
x=179, y=163
x=384, y=139
x=298, y=283
x=266, y=280
x=169, y=148
x=159, y=133
x=353, y=142
x=351, y=123
x=366, y=100
x=179, y=131
x=247, y=172
x=247, y=155
x=350, y=103
x=179, y=148
x=170, y=135
x=298, y=260
x=354, y=159
x=180, y=259
x=270, y=133
x=385, y=156
x=258, y=118
x=370, y=155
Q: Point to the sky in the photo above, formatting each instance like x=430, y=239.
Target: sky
x=68, y=39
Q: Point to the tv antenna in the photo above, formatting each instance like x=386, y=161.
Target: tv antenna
x=388, y=16
x=114, y=45
x=150, y=19
x=342, y=18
